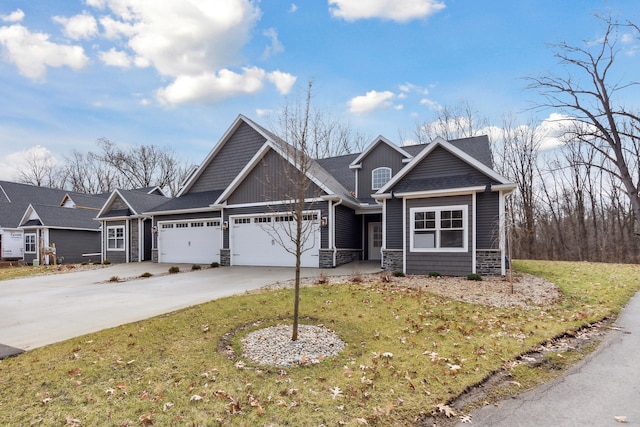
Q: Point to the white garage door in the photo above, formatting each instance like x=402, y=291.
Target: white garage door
x=192, y=242
x=254, y=241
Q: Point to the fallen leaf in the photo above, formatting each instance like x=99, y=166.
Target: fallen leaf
x=336, y=392
x=466, y=419
x=195, y=398
x=621, y=419
x=446, y=410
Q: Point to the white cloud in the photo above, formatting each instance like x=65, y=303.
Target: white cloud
x=293, y=8
x=275, y=47
x=187, y=37
x=398, y=107
x=433, y=105
x=12, y=164
x=83, y=26
x=261, y=112
x=553, y=129
x=395, y=10
x=212, y=87
x=32, y=53
x=15, y=16
x=371, y=101
x=115, y=58
x=282, y=81
x=410, y=87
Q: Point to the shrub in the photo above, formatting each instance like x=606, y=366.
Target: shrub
x=215, y=264
x=106, y=262
x=398, y=273
x=96, y=263
x=146, y=274
x=196, y=267
x=434, y=274
x=174, y=269
x=114, y=279
x=84, y=263
x=356, y=277
x=385, y=277
x=474, y=276
x=322, y=279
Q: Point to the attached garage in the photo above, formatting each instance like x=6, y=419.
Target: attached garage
x=193, y=242
x=258, y=240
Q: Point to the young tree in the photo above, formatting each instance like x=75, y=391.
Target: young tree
x=592, y=94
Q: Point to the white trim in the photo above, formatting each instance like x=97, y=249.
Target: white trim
x=380, y=168
x=275, y=203
x=35, y=236
x=124, y=237
x=439, y=142
x=384, y=232
x=5, y=193
x=356, y=184
x=357, y=162
x=127, y=231
x=210, y=208
x=140, y=239
x=440, y=193
x=176, y=221
x=437, y=230
x=33, y=227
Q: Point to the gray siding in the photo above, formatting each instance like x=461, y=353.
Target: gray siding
x=273, y=178
x=447, y=263
x=488, y=220
x=71, y=244
x=115, y=257
x=117, y=204
x=230, y=160
x=394, y=224
x=441, y=163
x=381, y=155
x=348, y=228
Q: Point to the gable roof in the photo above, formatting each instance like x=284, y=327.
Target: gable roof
x=16, y=197
x=218, y=147
x=451, y=148
x=191, y=202
x=357, y=162
x=137, y=203
x=85, y=201
x=59, y=217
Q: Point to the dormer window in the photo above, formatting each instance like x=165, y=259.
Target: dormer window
x=379, y=177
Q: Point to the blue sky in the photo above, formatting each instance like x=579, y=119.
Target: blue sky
x=177, y=73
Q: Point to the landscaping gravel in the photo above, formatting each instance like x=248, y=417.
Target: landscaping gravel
x=273, y=346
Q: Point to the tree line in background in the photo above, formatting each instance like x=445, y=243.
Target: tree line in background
x=578, y=200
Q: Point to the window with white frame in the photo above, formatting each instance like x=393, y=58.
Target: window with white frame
x=115, y=238
x=379, y=177
x=442, y=229
x=30, y=244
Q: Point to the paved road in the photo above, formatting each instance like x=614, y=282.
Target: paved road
x=605, y=385
x=37, y=311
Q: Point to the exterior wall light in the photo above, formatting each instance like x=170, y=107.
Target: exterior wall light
x=323, y=221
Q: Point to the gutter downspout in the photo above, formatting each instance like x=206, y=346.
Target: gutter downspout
x=333, y=230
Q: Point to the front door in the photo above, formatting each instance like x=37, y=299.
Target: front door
x=375, y=240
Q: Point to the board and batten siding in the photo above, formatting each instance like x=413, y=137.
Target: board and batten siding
x=227, y=164
x=393, y=228
x=348, y=228
x=71, y=244
x=488, y=220
x=271, y=180
x=381, y=156
x=441, y=163
x=446, y=263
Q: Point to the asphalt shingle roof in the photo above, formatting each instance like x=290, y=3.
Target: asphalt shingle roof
x=188, y=201
x=142, y=202
x=61, y=217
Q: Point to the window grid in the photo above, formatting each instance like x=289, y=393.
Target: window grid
x=30, y=243
x=379, y=177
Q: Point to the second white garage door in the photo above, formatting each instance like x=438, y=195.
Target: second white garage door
x=253, y=241
x=192, y=242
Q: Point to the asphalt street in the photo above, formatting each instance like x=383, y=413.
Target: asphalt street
x=36, y=311
x=602, y=390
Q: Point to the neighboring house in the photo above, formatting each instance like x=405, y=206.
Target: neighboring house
x=34, y=217
x=436, y=207
x=126, y=231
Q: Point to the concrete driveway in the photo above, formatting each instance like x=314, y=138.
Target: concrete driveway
x=37, y=311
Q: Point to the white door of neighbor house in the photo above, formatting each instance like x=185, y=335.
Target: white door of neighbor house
x=375, y=240
x=190, y=242
x=253, y=242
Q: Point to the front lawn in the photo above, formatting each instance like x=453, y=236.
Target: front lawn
x=407, y=351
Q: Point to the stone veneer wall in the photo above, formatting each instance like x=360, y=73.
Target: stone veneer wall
x=225, y=257
x=154, y=255
x=392, y=259
x=343, y=256
x=489, y=262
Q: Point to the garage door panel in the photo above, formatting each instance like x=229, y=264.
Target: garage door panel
x=196, y=242
x=260, y=240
